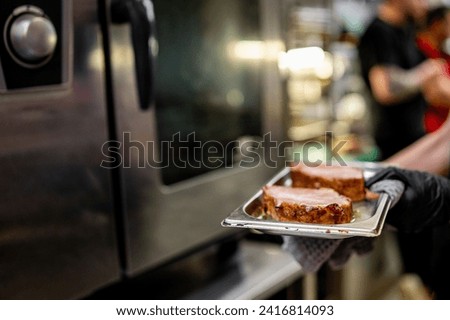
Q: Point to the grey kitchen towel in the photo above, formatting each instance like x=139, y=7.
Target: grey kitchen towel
x=311, y=253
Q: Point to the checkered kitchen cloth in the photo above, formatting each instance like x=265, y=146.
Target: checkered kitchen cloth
x=312, y=253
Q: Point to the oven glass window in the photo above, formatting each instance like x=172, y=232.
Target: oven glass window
x=208, y=83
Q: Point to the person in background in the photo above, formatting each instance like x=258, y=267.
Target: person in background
x=431, y=41
x=397, y=74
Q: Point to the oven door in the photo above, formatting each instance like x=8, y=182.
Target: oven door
x=195, y=153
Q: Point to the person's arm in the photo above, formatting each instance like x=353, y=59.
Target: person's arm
x=391, y=84
x=430, y=153
x=437, y=91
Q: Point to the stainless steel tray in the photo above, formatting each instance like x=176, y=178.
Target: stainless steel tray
x=368, y=221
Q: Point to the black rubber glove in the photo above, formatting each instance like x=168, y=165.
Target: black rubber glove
x=424, y=203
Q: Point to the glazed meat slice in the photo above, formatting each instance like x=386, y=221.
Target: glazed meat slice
x=348, y=181
x=323, y=206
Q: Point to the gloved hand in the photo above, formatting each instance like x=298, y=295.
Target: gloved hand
x=312, y=253
x=425, y=201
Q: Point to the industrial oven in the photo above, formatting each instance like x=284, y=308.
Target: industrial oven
x=112, y=116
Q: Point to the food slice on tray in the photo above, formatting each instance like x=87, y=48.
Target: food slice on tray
x=348, y=181
x=324, y=206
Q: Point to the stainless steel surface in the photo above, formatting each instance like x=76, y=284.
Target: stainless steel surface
x=369, y=216
x=57, y=231
x=273, y=102
x=262, y=270
x=166, y=221
x=58, y=235
x=2, y=80
x=33, y=37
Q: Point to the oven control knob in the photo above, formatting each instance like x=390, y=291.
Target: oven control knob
x=33, y=37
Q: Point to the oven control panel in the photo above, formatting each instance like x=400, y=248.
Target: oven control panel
x=34, y=45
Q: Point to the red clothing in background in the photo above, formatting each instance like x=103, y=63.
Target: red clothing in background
x=435, y=116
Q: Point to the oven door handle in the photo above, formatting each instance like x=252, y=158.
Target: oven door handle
x=140, y=15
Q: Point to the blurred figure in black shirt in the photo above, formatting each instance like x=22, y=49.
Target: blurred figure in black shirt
x=395, y=71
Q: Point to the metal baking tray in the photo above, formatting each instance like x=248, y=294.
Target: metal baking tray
x=368, y=215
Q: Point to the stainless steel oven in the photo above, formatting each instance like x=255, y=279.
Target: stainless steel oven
x=57, y=227
x=206, y=96
x=113, y=116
